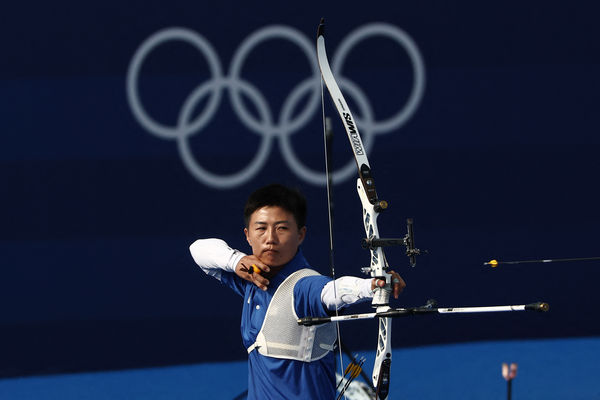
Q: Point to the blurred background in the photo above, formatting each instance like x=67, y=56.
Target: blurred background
x=132, y=129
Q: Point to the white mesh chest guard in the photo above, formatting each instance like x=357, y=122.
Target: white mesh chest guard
x=280, y=335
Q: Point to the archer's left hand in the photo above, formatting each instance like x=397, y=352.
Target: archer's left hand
x=398, y=283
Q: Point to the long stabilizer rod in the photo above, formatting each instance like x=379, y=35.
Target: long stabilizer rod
x=405, y=312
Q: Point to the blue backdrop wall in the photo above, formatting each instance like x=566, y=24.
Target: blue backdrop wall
x=132, y=129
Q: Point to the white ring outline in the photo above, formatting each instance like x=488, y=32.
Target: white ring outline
x=266, y=33
x=402, y=38
x=209, y=178
x=133, y=72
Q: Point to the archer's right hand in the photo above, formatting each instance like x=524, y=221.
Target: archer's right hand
x=250, y=268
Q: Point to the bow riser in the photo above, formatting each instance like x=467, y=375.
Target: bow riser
x=381, y=297
x=378, y=266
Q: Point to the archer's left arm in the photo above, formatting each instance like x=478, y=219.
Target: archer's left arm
x=349, y=290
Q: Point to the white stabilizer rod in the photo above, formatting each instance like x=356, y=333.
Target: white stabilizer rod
x=403, y=312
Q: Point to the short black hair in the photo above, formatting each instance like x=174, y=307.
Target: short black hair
x=275, y=194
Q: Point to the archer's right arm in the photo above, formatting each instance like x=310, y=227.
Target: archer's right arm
x=215, y=256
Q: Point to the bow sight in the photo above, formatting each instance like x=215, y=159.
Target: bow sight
x=408, y=241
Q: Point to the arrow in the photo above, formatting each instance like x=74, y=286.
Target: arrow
x=495, y=263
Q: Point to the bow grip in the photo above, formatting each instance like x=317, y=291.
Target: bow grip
x=381, y=295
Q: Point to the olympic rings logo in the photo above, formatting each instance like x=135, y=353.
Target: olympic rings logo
x=287, y=122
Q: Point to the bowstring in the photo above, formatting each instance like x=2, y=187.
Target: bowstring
x=326, y=124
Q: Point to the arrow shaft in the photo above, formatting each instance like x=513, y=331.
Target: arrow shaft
x=549, y=260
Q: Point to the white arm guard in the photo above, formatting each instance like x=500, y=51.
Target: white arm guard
x=214, y=256
x=349, y=289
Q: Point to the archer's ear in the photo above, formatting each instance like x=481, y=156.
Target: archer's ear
x=247, y=237
x=302, y=233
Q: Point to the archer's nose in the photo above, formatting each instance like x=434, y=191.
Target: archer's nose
x=272, y=236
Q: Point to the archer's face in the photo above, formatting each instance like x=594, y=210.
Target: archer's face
x=273, y=235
